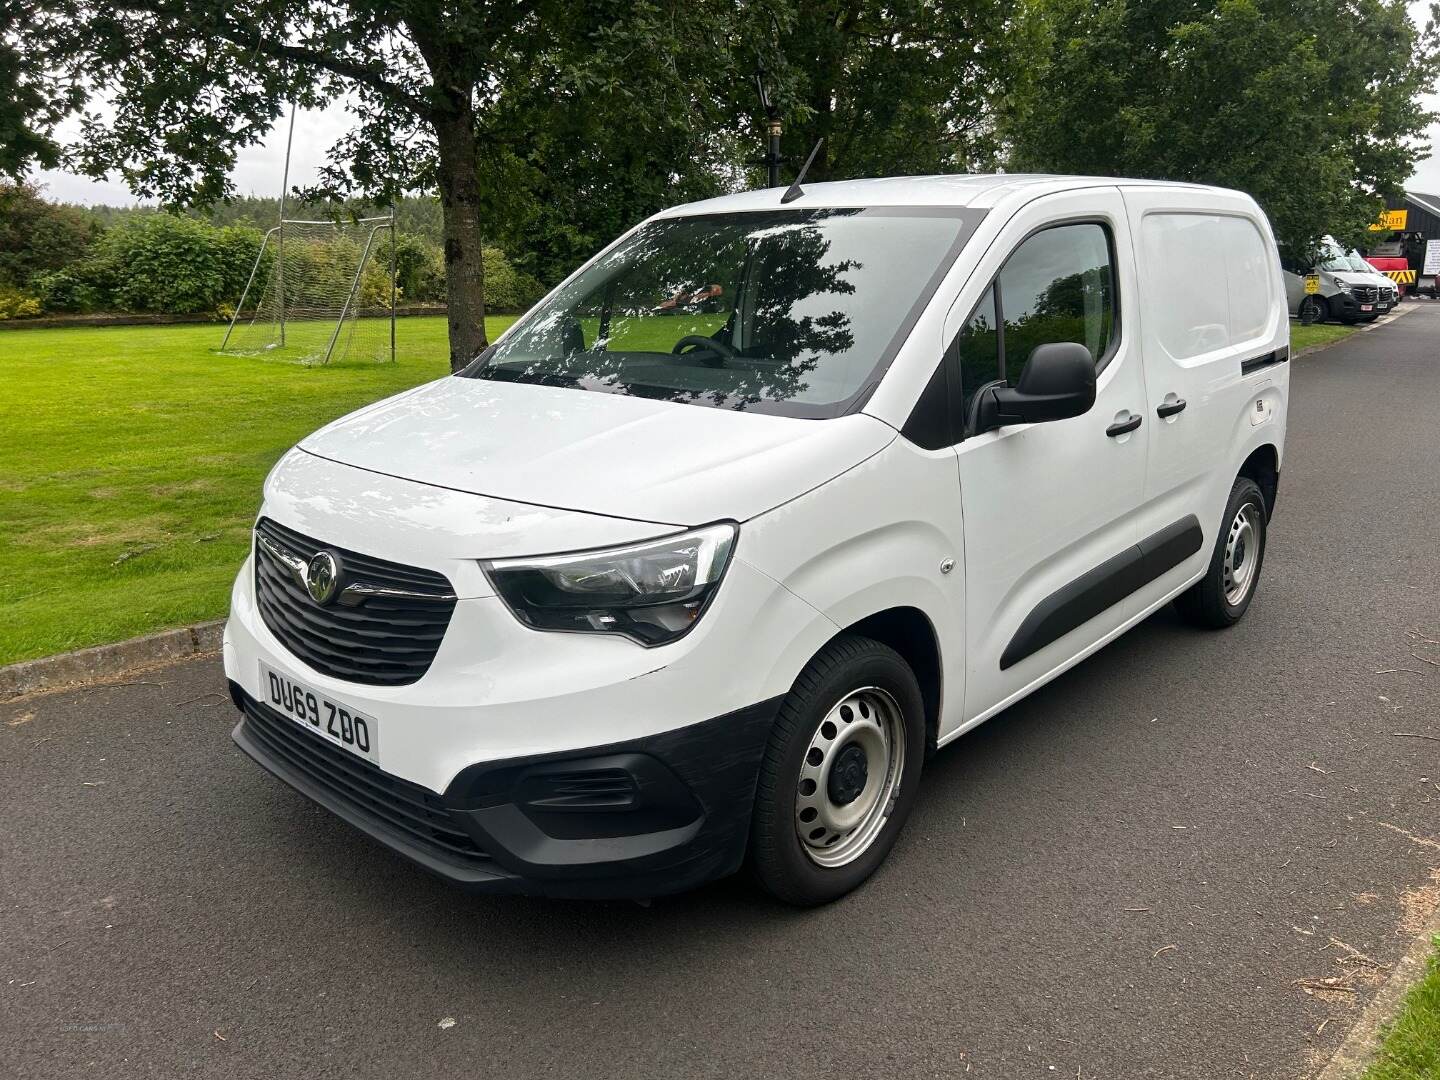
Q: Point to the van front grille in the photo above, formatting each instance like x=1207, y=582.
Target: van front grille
x=383, y=630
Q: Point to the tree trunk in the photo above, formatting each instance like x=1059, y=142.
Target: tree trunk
x=460, y=205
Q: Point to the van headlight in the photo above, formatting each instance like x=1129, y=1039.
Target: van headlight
x=651, y=592
x=1343, y=286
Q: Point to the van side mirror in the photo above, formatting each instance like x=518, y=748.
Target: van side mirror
x=1058, y=382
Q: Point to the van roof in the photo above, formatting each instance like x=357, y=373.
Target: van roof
x=981, y=191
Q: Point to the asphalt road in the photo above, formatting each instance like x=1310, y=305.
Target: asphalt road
x=1131, y=874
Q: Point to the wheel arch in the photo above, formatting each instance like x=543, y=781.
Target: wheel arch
x=1263, y=466
x=909, y=631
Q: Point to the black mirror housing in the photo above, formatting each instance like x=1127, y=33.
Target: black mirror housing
x=1058, y=382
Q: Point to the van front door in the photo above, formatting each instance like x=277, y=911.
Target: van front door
x=1049, y=508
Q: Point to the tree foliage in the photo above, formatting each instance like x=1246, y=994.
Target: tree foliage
x=898, y=86
x=34, y=96
x=37, y=235
x=1311, y=108
x=441, y=93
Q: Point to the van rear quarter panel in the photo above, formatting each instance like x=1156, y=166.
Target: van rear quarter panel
x=1213, y=297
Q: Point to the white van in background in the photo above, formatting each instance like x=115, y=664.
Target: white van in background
x=1351, y=290
x=696, y=565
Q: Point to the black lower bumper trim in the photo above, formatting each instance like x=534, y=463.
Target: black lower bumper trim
x=640, y=818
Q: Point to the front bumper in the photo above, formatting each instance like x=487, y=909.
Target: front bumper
x=641, y=818
x=1346, y=307
x=549, y=763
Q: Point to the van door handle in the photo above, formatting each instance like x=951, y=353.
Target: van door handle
x=1170, y=408
x=1124, y=427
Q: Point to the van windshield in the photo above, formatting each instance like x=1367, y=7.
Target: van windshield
x=1346, y=262
x=796, y=312
x=1358, y=263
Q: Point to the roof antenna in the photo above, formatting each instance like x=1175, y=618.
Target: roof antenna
x=795, y=191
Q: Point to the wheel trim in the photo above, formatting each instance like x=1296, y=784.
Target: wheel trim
x=1242, y=554
x=830, y=833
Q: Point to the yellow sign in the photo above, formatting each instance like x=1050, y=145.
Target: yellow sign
x=1400, y=277
x=1312, y=284
x=1392, y=220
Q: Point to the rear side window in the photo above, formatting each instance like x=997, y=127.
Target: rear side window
x=1247, y=272
x=1210, y=281
x=1058, y=285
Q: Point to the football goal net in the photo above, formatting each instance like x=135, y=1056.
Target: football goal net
x=320, y=292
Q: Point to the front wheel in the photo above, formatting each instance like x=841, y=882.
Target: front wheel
x=1221, y=598
x=1313, y=309
x=840, y=773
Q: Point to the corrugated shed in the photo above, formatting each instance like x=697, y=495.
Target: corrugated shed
x=1424, y=214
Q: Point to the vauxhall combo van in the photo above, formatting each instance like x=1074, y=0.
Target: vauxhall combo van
x=696, y=566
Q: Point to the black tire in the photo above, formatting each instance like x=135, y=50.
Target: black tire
x=779, y=858
x=1319, y=308
x=1205, y=604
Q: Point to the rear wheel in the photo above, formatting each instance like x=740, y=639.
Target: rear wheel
x=840, y=773
x=1223, y=595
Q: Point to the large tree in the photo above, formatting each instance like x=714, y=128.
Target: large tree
x=184, y=83
x=32, y=98
x=1312, y=108
x=897, y=87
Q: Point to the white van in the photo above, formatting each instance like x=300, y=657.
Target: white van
x=1351, y=290
x=697, y=564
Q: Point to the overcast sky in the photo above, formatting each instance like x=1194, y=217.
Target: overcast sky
x=258, y=169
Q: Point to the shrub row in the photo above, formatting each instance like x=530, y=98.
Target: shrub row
x=171, y=264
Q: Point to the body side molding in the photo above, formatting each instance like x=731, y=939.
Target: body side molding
x=1103, y=587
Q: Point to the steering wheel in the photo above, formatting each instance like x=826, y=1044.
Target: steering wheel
x=721, y=351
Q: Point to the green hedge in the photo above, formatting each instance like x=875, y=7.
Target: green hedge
x=420, y=275
x=155, y=263
x=169, y=264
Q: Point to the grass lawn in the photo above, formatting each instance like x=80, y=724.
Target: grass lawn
x=1411, y=1050
x=131, y=460
x=1302, y=337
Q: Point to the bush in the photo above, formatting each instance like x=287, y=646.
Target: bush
x=156, y=263
x=66, y=292
x=508, y=289
x=16, y=304
x=37, y=236
x=168, y=263
x=420, y=273
x=419, y=269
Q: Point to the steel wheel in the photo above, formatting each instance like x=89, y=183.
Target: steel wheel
x=1242, y=553
x=849, y=777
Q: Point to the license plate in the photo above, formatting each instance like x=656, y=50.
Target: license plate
x=336, y=723
x=1366, y=307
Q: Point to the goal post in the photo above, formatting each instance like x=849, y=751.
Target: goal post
x=320, y=291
